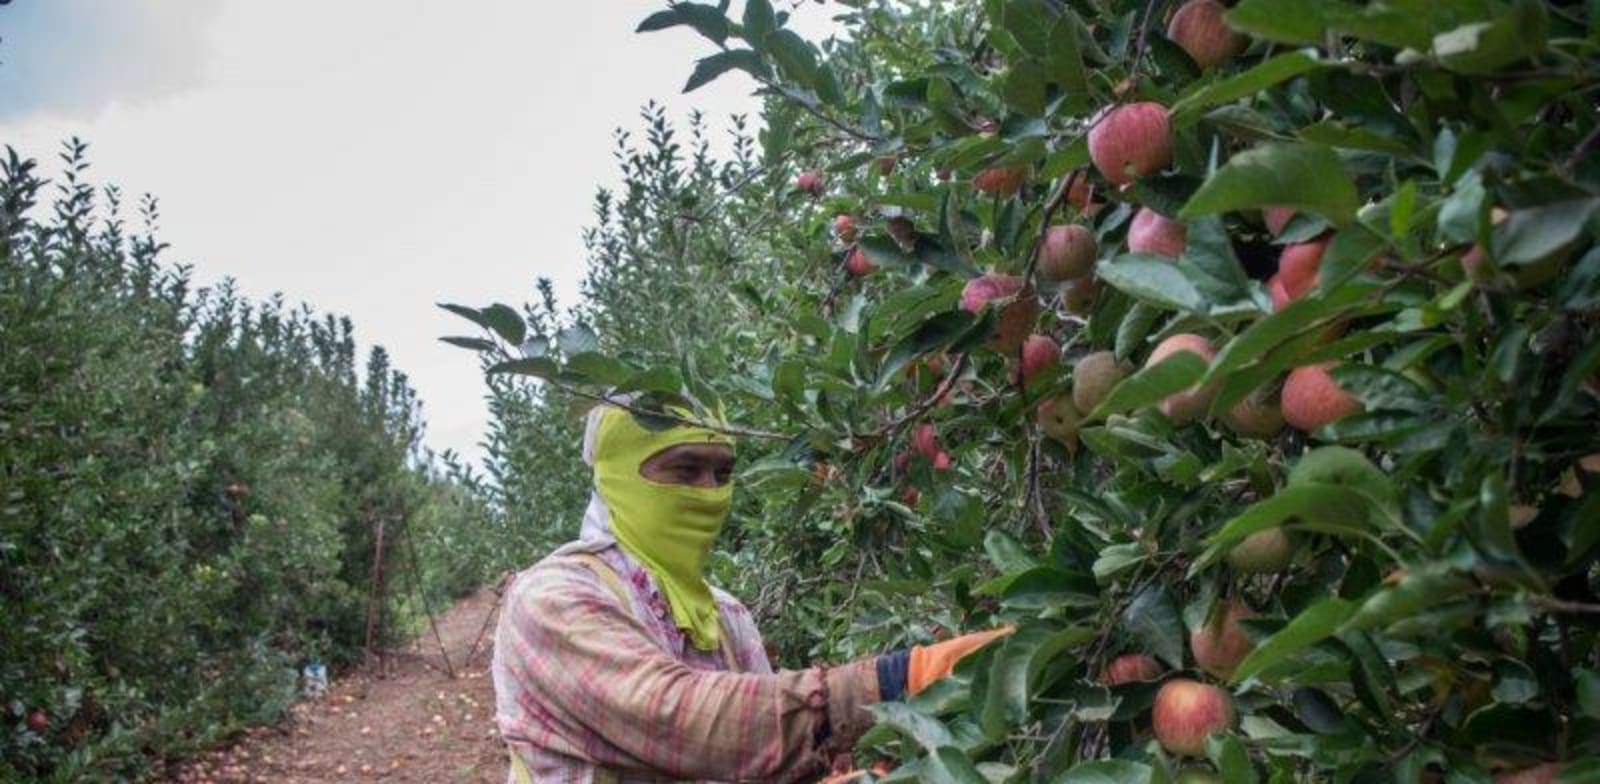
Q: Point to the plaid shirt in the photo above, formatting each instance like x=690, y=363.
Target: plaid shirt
x=584, y=685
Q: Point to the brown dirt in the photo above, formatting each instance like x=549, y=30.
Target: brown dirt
x=403, y=720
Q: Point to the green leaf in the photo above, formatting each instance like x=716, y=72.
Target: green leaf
x=1326, y=505
x=884, y=251
x=1151, y=279
x=1346, y=467
x=1279, y=69
x=709, y=68
x=1148, y=386
x=538, y=367
x=1112, y=771
x=1233, y=762
x=913, y=724
x=600, y=368
x=758, y=21
x=506, y=323
x=1354, y=137
x=795, y=58
x=1283, y=21
x=1533, y=234
x=1304, y=176
x=1588, y=689
x=949, y=765
x=576, y=340
x=937, y=332
x=1006, y=553
x=1270, y=332
x=1417, y=591
x=476, y=344
x=1153, y=620
x=1310, y=627
x=1485, y=47
x=1014, y=672
x=708, y=20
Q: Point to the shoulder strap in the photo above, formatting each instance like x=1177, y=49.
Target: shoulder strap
x=613, y=582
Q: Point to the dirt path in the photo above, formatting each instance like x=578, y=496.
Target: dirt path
x=410, y=723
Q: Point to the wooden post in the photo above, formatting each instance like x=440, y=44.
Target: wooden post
x=375, y=595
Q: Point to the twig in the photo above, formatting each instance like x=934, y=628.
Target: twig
x=500, y=596
x=416, y=590
x=1562, y=605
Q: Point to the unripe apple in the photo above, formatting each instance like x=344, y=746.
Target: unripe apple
x=925, y=440
x=1311, y=398
x=1152, y=232
x=1131, y=141
x=1277, y=218
x=1039, y=353
x=1191, y=404
x=844, y=227
x=1067, y=251
x=39, y=721
x=858, y=264
x=1298, y=265
x=1198, y=28
x=1093, y=377
x=809, y=182
x=1187, y=712
x=1544, y=773
x=1258, y=415
x=1078, y=296
x=1000, y=180
x=1059, y=420
x=1220, y=644
x=1262, y=552
x=1131, y=668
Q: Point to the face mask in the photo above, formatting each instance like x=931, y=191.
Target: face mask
x=667, y=528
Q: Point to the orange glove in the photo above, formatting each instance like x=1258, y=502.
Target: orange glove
x=930, y=663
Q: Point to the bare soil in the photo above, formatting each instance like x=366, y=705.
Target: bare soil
x=403, y=719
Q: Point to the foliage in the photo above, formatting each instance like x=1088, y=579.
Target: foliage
x=1440, y=610
x=190, y=485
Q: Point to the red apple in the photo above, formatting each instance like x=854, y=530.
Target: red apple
x=1277, y=218
x=809, y=182
x=1016, y=319
x=1131, y=141
x=1081, y=194
x=1152, y=232
x=1280, y=295
x=1298, y=265
x=1311, y=398
x=1039, y=353
x=911, y=496
x=941, y=461
x=1221, y=644
x=925, y=440
x=844, y=227
x=904, y=232
x=39, y=721
x=1000, y=180
x=982, y=290
x=1187, y=712
x=858, y=264
x=1131, y=668
x=1067, y=251
x=1191, y=404
x=1198, y=27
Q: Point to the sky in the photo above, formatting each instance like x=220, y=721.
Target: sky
x=366, y=157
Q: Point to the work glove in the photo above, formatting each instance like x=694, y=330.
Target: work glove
x=931, y=663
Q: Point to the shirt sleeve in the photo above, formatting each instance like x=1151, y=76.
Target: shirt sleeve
x=636, y=707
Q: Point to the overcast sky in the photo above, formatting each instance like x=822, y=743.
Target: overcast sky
x=367, y=157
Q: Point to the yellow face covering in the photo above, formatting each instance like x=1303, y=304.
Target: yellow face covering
x=667, y=528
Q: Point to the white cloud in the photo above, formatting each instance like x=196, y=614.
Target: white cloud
x=373, y=157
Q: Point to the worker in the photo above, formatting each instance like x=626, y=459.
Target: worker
x=615, y=660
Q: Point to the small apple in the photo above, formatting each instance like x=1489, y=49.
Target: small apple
x=1079, y=296
x=1258, y=415
x=1312, y=399
x=1016, y=319
x=1191, y=404
x=858, y=264
x=1199, y=28
x=1544, y=773
x=925, y=440
x=1001, y=181
x=809, y=182
x=1187, y=712
x=1093, y=377
x=1131, y=141
x=1067, y=251
x=1196, y=776
x=844, y=227
x=886, y=164
x=1131, y=668
x=1039, y=353
x=1220, y=644
x=1298, y=265
x=38, y=721
x=1154, y=233
x=1059, y=420
x=1262, y=552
